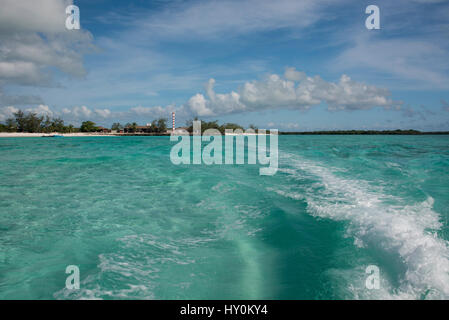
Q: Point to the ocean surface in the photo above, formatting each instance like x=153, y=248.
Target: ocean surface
x=140, y=227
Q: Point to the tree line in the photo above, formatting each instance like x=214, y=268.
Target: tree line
x=214, y=125
x=364, y=132
x=157, y=126
x=31, y=122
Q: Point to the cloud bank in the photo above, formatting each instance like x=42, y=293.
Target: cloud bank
x=34, y=43
x=295, y=90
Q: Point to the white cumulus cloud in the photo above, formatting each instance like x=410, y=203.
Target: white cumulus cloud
x=34, y=42
x=41, y=110
x=104, y=113
x=295, y=90
x=78, y=112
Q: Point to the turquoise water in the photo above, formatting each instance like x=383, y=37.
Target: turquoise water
x=140, y=227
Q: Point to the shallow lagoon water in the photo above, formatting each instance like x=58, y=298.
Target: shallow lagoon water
x=140, y=227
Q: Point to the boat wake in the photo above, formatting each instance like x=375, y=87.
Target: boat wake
x=381, y=223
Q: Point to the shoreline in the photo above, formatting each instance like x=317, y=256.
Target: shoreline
x=38, y=135
x=77, y=134
x=95, y=134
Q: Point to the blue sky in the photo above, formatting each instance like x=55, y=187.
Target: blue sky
x=291, y=65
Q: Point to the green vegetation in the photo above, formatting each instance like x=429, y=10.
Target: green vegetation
x=161, y=125
x=366, y=132
x=30, y=122
x=9, y=126
x=88, y=126
x=231, y=126
x=157, y=126
x=213, y=125
x=116, y=126
x=131, y=127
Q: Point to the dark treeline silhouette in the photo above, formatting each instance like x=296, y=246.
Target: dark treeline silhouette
x=157, y=126
x=30, y=122
x=214, y=125
x=365, y=132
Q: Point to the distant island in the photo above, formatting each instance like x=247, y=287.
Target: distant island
x=30, y=123
x=365, y=132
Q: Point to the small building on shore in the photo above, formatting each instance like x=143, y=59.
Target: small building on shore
x=103, y=129
x=137, y=129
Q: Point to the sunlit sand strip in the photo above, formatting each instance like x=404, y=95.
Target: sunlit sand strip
x=36, y=135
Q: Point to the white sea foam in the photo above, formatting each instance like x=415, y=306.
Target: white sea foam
x=380, y=222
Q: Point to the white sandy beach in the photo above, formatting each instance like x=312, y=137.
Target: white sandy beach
x=34, y=135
